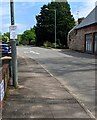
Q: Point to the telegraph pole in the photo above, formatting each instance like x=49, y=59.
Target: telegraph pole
x=12, y=11
x=13, y=48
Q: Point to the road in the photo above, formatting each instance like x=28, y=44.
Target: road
x=74, y=70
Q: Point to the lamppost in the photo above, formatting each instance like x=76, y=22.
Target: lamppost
x=13, y=48
x=55, y=22
x=77, y=17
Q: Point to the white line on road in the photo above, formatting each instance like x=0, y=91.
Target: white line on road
x=67, y=55
x=34, y=52
x=26, y=52
x=27, y=48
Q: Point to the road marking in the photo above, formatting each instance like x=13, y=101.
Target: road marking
x=26, y=48
x=67, y=55
x=34, y=52
x=26, y=52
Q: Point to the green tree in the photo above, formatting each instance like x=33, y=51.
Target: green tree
x=45, y=27
x=7, y=34
x=5, y=39
x=19, y=39
x=0, y=36
x=28, y=36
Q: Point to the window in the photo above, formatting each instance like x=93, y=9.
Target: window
x=89, y=43
x=95, y=42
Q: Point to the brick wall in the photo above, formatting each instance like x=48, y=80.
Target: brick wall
x=4, y=76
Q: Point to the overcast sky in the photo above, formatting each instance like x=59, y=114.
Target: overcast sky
x=25, y=12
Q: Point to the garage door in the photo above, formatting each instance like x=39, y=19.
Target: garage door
x=95, y=42
x=89, y=47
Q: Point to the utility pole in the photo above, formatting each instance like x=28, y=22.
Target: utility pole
x=13, y=48
x=55, y=28
x=12, y=11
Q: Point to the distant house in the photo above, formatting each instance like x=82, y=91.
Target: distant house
x=83, y=37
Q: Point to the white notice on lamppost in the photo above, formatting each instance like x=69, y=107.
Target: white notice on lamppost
x=13, y=34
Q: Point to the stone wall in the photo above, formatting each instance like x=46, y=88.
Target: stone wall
x=72, y=39
x=76, y=39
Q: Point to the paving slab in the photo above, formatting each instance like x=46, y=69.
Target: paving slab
x=39, y=96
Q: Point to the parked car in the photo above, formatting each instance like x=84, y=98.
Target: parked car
x=5, y=48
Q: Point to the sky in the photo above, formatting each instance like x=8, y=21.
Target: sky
x=25, y=12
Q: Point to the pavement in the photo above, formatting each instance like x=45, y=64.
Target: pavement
x=40, y=95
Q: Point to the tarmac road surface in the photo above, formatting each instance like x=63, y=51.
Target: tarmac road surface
x=74, y=70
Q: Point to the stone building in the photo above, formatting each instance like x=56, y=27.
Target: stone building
x=83, y=37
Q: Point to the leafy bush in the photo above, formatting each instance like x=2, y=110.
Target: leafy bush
x=47, y=44
x=53, y=45
x=33, y=42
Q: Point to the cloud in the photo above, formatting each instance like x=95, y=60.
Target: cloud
x=4, y=9
x=85, y=1
x=4, y=16
x=84, y=9
x=28, y=1
x=5, y=25
x=21, y=27
x=26, y=5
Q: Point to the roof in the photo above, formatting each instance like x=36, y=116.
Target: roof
x=89, y=20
